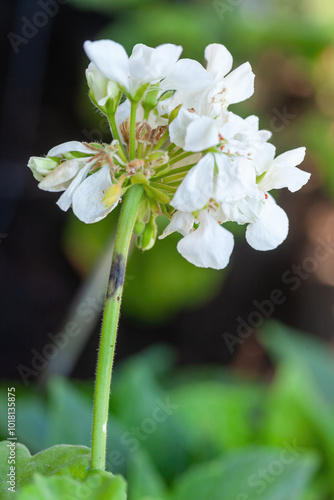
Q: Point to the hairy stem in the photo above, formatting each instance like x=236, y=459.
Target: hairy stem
x=127, y=219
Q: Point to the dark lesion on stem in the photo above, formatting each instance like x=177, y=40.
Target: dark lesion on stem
x=116, y=277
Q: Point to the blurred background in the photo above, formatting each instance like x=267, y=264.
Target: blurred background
x=46, y=254
x=192, y=331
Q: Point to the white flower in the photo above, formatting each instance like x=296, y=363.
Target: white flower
x=210, y=245
x=145, y=65
x=218, y=177
x=214, y=84
x=282, y=171
x=83, y=188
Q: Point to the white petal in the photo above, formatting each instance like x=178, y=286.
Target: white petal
x=240, y=84
x=271, y=229
x=181, y=222
x=151, y=65
x=111, y=59
x=280, y=177
x=263, y=158
x=283, y=173
x=178, y=127
x=244, y=211
x=65, y=200
x=290, y=158
x=57, y=179
x=188, y=75
x=87, y=198
x=68, y=147
x=219, y=60
x=196, y=188
x=201, y=134
x=236, y=178
x=209, y=246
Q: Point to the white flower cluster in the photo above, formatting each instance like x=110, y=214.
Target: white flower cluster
x=199, y=163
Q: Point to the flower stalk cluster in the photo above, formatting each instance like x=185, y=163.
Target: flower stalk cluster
x=198, y=163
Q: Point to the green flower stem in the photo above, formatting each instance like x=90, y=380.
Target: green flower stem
x=133, y=130
x=113, y=126
x=127, y=219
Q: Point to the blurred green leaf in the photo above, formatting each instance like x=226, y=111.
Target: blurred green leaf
x=143, y=478
x=150, y=417
x=249, y=474
x=217, y=416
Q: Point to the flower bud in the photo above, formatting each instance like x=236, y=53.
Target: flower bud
x=41, y=167
x=104, y=93
x=139, y=227
x=149, y=234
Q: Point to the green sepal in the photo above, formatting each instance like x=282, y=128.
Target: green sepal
x=142, y=213
x=139, y=94
x=150, y=100
x=166, y=95
x=156, y=194
x=71, y=155
x=174, y=113
x=160, y=171
x=139, y=179
x=260, y=177
x=167, y=209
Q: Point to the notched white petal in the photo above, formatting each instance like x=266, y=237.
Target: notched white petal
x=209, y=246
x=271, y=229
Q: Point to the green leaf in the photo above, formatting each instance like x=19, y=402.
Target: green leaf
x=143, y=478
x=61, y=459
x=97, y=485
x=217, y=416
x=150, y=416
x=249, y=474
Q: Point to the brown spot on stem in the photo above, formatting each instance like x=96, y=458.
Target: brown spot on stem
x=116, y=277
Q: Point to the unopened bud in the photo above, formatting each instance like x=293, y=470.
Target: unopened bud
x=139, y=227
x=103, y=92
x=41, y=167
x=149, y=234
